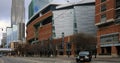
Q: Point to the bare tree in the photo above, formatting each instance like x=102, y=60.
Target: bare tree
x=83, y=41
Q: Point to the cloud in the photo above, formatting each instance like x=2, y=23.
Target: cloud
x=5, y=6
x=4, y=24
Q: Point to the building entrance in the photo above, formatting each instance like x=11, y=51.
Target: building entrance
x=106, y=51
x=118, y=50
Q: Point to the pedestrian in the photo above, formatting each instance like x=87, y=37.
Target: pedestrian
x=95, y=54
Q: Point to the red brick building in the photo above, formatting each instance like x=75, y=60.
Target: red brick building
x=39, y=29
x=107, y=18
x=58, y=24
x=42, y=32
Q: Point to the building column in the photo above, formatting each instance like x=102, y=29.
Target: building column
x=72, y=49
x=114, y=51
x=105, y=51
x=64, y=52
x=98, y=50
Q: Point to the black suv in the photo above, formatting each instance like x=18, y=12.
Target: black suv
x=84, y=56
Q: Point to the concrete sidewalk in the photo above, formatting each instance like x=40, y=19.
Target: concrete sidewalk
x=106, y=58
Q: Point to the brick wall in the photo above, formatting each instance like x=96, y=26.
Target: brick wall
x=31, y=30
x=110, y=12
x=45, y=32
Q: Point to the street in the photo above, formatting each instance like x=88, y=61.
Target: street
x=32, y=60
x=55, y=60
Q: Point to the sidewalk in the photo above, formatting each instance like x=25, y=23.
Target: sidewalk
x=106, y=58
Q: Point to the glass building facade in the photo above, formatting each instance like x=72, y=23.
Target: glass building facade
x=73, y=20
x=17, y=12
x=12, y=34
x=36, y=5
x=9, y=36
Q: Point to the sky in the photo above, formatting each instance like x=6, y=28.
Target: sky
x=5, y=13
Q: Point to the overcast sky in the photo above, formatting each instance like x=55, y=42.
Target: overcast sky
x=5, y=13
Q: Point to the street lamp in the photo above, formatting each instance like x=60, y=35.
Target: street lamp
x=63, y=40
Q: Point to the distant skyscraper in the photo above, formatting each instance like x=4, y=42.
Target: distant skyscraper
x=17, y=12
x=3, y=44
x=18, y=20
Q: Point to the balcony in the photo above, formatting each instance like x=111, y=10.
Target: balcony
x=117, y=3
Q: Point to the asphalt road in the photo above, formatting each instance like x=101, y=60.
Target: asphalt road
x=12, y=60
x=31, y=60
x=54, y=60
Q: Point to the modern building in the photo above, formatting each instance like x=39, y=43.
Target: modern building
x=9, y=36
x=16, y=32
x=18, y=18
x=14, y=45
x=3, y=41
x=17, y=12
x=33, y=24
x=54, y=21
x=107, y=18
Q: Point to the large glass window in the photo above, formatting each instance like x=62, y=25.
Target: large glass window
x=54, y=34
x=103, y=7
x=109, y=39
x=117, y=3
x=75, y=25
x=103, y=0
x=103, y=17
x=117, y=14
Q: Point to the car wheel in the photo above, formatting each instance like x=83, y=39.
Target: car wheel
x=77, y=61
x=89, y=60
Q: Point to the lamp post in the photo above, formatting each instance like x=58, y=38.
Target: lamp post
x=63, y=40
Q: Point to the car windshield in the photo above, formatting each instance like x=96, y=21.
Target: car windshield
x=84, y=53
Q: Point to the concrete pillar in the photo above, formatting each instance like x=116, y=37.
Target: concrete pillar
x=72, y=49
x=98, y=50
x=65, y=49
x=105, y=51
x=114, y=51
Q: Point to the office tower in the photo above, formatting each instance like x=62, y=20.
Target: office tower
x=17, y=18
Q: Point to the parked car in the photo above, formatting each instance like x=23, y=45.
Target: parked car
x=1, y=55
x=84, y=56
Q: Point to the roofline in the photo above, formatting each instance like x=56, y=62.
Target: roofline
x=60, y=7
x=41, y=10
